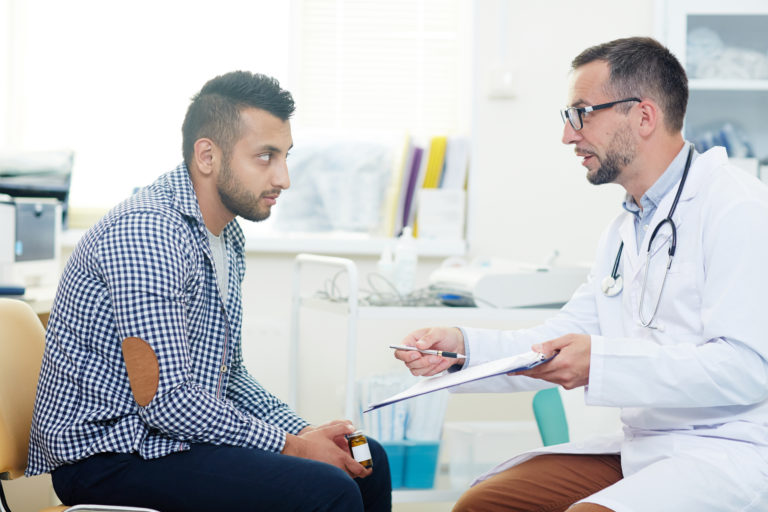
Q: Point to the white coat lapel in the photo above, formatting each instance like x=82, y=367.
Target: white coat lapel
x=696, y=174
x=630, y=263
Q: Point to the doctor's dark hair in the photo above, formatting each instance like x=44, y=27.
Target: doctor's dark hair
x=642, y=67
x=215, y=111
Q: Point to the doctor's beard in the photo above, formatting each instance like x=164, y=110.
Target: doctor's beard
x=620, y=153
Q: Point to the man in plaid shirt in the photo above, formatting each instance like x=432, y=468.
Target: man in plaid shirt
x=143, y=396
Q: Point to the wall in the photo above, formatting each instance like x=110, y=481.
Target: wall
x=529, y=191
x=530, y=195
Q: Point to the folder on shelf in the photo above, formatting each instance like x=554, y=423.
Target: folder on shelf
x=431, y=173
x=456, y=163
x=435, y=162
x=515, y=363
x=413, y=185
x=396, y=192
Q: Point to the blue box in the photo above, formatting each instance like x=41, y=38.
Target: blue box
x=412, y=464
x=420, y=464
x=396, y=456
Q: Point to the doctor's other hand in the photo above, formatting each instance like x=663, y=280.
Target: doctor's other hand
x=448, y=339
x=570, y=368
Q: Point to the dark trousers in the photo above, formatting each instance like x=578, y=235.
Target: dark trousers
x=210, y=478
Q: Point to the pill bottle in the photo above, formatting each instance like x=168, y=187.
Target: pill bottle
x=358, y=445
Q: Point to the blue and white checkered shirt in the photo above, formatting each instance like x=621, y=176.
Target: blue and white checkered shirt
x=146, y=270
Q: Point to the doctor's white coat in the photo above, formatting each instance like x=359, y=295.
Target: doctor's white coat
x=693, y=391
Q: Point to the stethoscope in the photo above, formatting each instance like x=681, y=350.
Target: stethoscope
x=613, y=284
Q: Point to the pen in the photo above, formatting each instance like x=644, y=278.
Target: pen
x=441, y=353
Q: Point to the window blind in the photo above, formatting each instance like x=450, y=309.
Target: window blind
x=373, y=65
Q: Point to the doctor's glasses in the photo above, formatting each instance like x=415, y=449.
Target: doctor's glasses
x=574, y=114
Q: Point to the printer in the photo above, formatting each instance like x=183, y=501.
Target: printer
x=34, y=188
x=500, y=283
x=30, y=249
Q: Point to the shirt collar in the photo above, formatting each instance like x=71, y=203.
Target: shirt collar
x=653, y=196
x=184, y=200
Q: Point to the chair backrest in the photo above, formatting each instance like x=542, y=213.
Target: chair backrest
x=550, y=417
x=22, y=339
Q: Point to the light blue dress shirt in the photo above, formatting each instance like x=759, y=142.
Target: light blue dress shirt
x=653, y=196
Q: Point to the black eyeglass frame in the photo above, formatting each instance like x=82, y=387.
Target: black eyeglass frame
x=566, y=113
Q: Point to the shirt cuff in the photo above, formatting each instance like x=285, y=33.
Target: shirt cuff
x=594, y=390
x=457, y=367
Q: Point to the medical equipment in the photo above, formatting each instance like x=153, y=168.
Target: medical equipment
x=7, y=237
x=38, y=174
x=499, y=283
x=30, y=231
x=613, y=284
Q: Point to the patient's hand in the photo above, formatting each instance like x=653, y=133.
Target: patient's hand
x=340, y=440
x=323, y=444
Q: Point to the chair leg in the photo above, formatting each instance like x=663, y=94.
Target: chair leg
x=3, y=504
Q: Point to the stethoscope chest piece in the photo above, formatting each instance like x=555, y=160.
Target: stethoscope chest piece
x=612, y=286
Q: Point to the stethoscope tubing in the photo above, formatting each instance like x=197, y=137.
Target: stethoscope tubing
x=615, y=275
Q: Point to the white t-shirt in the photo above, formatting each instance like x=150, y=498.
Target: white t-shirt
x=220, y=263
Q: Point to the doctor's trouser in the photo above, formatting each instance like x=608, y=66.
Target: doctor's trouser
x=725, y=476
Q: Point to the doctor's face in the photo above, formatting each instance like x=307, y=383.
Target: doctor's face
x=250, y=182
x=605, y=142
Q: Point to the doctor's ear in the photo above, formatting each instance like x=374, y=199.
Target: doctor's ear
x=650, y=116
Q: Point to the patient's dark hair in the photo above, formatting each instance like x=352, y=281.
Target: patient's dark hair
x=642, y=67
x=215, y=111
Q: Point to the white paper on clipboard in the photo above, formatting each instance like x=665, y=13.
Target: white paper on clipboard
x=519, y=362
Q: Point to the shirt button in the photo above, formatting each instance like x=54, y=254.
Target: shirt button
x=223, y=368
x=645, y=227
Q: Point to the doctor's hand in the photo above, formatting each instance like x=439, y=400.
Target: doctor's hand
x=448, y=339
x=570, y=368
x=322, y=444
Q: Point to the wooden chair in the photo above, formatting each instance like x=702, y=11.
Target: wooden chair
x=22, y=339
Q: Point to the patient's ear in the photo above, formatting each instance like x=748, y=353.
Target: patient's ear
x=143, y=370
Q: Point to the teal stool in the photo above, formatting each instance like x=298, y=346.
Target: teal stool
x=550, y=417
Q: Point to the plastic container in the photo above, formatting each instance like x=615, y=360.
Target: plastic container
x=412, y=464
x=386, y=264
x=396, y=458
x=405, y=262
x=420, y=464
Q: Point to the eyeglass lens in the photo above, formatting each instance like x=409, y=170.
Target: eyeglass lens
x=571, y=114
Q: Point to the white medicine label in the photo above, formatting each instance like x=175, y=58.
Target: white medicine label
x=361, y=453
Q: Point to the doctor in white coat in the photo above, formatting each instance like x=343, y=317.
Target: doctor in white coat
x=678, y=342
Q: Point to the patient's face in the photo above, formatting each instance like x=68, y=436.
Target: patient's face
x=256, y=173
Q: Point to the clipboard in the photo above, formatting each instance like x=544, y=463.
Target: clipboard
x=524, y=361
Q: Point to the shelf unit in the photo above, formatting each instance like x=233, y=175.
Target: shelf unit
x=354, y=314
x=334, y=243
x=714, y=101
